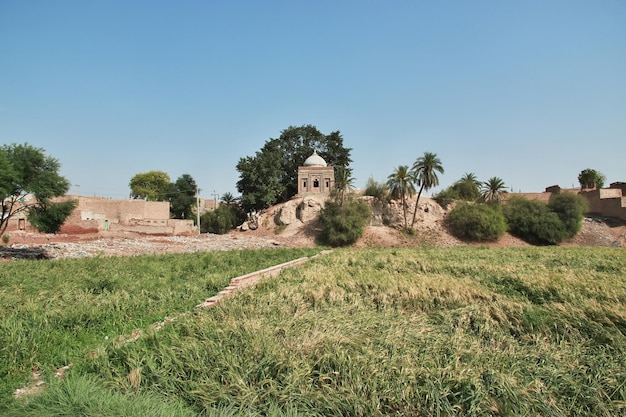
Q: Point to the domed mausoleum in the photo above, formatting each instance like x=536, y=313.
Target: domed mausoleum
x=315, y=176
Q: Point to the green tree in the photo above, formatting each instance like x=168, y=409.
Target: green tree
x=271, y=175
x=344, y=182
x=49, y=217
x=590, y=178
x=151, y=186
x=28, y=181
x=492, y=190
x=182, y=196
x=424, y=172
x=400, y=184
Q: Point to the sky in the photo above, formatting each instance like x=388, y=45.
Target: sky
x=529, y=91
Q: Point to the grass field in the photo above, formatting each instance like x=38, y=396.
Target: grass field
x=412, y=332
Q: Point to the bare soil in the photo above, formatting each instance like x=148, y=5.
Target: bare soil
x=22, y=245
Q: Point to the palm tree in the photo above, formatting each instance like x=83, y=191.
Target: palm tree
x=492, y=190
x=468, y=187
x=400, y=184
x=228, y=199
x=344, y=181
x=424, y=172
x=471, y=178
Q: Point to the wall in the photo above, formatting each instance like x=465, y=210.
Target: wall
x=607, y=202
x=97, y=214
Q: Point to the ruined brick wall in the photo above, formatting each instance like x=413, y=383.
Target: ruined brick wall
x=608, y=202
x=545, y=197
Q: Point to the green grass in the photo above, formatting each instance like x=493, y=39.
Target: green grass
x=56, y=312
x=412, y=332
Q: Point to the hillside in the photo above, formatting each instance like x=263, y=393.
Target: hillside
x=294, y=224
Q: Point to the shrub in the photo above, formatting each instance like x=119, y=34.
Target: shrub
x=446, y=197
x=476, y=222
x=343, y=224
x=222, y=219
x=376, y=189
x=570, y=208
x=534, y=222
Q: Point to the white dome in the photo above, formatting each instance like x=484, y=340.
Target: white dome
x=315, y=161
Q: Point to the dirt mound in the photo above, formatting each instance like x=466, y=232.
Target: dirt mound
x=386, y=229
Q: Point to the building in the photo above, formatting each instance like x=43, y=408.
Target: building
x=315, y=176
x=97, y=214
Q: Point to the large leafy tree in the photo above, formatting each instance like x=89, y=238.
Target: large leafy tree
x=400, y=184
x=182, y=197
x=492, y=190
x=590, y=178
x=29, y=180
x=424, y=172
x=151, y=186
x=271, y=175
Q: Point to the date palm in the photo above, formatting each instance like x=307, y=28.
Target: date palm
x=228, y=199
x=400, y=184
x=344, y=181
x=424, y=172
x=468, y=187
x=492, y=190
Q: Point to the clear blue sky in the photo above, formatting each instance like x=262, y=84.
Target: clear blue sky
x=530, y=91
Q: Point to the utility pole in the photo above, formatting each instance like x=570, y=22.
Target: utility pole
x=198, y=208
x=215, y=195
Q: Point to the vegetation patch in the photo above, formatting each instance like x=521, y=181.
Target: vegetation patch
x=412, y=331
x=476, y=222
x=343, y=224
x=545, y=224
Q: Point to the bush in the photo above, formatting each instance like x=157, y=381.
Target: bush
x=222, y=220
x=476, y=222
x=376, y=189
x=446, y=197
x=343, y=224
x=534, y=222
x=570, y=208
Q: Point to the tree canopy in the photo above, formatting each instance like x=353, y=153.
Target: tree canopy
x=151, y=186
x=590, y=178
x=492, y=190
x=29, y=179
x=271, y=175
x=400, y=184
x=424, y=172
x=182, y=197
